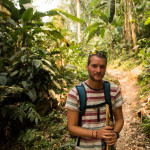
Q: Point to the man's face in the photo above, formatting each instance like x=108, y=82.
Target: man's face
x=96, y=68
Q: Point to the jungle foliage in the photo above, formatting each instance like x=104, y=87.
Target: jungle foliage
x=33, y=74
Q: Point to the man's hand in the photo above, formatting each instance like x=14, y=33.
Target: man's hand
x=112, y=140
x=108, y=135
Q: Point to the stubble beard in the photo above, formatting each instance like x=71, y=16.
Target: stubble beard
x=95, y=80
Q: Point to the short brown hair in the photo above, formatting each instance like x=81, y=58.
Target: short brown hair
x=100, y=54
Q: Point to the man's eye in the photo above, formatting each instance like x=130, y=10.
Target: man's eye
x=94, y=66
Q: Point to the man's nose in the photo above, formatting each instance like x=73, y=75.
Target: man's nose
x=98, y=69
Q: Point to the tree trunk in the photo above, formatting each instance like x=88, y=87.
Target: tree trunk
x=127, y=31
x=132, y=24
x=78, y=24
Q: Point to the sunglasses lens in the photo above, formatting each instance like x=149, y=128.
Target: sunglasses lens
x=98, y=52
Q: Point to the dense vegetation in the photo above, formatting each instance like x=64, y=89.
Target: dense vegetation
x=40, y=62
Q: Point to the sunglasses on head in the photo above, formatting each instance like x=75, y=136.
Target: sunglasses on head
x=96, y=52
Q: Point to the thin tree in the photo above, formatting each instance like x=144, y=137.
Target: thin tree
x=127, y=31
x=78, y=24
x=132, y=24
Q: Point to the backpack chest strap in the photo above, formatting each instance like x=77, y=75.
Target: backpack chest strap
x=98, y=109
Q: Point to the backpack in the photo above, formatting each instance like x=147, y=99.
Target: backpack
x=82, y=96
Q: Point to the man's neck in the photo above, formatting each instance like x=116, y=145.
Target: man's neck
x=95, y=84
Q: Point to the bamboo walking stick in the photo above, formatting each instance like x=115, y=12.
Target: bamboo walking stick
x=107, y=122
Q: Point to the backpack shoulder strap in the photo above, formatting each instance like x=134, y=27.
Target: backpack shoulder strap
x=108, y=97
x=82, y=97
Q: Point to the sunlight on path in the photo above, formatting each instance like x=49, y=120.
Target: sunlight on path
x=130, y=90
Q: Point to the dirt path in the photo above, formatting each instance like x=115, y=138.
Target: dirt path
x=131, y=137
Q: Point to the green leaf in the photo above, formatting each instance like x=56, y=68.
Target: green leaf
x=37, y=15
x=36, y=120
x=46, y=61
x=52, y=13
x=48, y=69
x=92, y=33
x=102, y=16
x=3, y=80
x=14, y=73
x=94, y=25
x=25, y=85
x=57, y=85
x=37, y=63
x=27, y=15
x=70, y=67
x=29, y=93
x=147, y=21
x=33, y=91
x=37, y=30
x=23, y=58
x=21, y=2
x=94, y=2
x=12, y=21
x=52, y=93
x=74, y=18
x=25, y=29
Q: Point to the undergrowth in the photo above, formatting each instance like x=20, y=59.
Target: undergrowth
x=146, y=126
x=50, y=134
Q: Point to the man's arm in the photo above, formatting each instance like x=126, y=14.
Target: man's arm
x=74, y=129
x=119, y=121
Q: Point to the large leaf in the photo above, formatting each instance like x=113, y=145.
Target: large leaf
x=94, y=2
x=94, y=25
x=55, y=33
x=32, y=94
x=147, y=21
x=57, y=85
x=9, y=5
x=92, y=33
x=101, y=5
x=52, y=93
x=52, y=13
x=37, y=30
x=21, y=2
x=27, y=15
x=37, y=15
x=111, y=9
x=3, y=80
x=74, y=18
x=37, y=63
x=48, y=69
x=102, y=16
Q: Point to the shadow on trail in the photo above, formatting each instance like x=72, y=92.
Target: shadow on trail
x=131, y=137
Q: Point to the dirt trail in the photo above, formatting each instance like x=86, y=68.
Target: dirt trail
x=131, y=137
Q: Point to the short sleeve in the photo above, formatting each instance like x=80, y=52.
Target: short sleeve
x=118, y=98
x=72, y=101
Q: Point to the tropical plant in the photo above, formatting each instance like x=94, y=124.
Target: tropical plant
x=32, y=68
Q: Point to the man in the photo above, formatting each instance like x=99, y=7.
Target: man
x=94, y=134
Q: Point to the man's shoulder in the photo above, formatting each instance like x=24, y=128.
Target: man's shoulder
x=114, y=87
